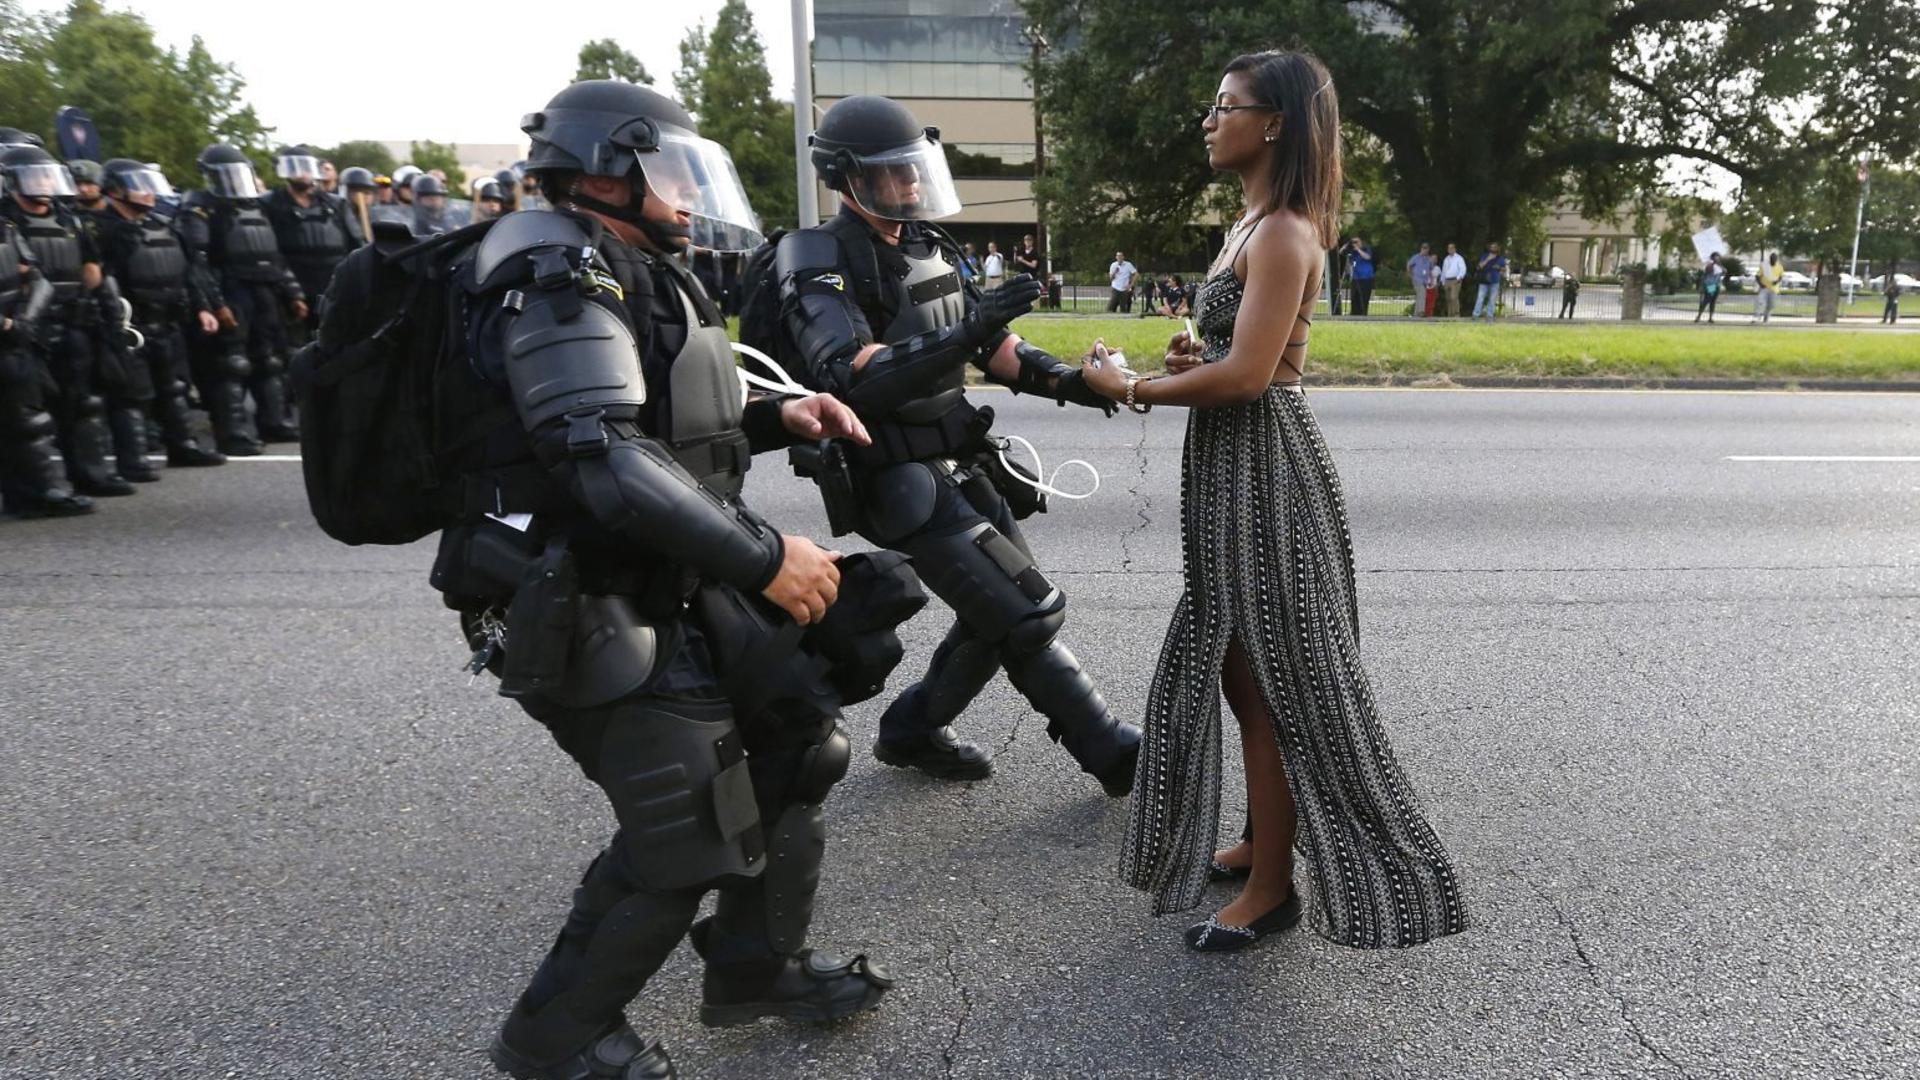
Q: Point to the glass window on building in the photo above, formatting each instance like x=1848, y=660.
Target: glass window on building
x=919, y=48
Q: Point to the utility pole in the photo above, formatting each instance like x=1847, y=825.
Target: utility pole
x=1859, y=219
x=809, y=192
x=1037, y=42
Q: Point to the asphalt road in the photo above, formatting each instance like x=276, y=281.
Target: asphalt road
x=1661, y=706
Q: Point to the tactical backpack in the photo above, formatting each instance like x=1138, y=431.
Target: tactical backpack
x=376, y=430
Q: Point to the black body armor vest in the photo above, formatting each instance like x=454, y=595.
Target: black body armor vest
x=927, y=299
x=705, y=405
x=56, y=244
x=156, y=268
x=314, y=236
x=246, y=246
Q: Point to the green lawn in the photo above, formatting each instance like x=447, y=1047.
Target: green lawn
x=1371, y=351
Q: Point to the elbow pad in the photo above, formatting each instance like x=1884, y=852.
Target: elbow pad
x=637, y=489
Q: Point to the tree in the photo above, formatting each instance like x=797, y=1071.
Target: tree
x=723, y=82
x=369, y=155
x=27, y=85
x=428, y=155
x=605, y=59
x=1483, y=107
x=147, y=103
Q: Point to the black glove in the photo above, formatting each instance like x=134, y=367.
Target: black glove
x=1073, y=387
x=998, y=307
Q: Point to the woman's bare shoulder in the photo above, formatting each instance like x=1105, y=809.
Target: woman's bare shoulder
x=1284, y=239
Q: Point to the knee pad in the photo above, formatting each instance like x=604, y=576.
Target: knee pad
x=676, y=773
x=899, y=500
x=272, y=364
x=1034, y=634
x=89, y=406
x=823, y=765
x=172, y=387
x=34, y=424
x=235, y=366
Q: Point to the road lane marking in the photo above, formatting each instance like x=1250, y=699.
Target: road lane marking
x=1821, y=457
x=255, y=457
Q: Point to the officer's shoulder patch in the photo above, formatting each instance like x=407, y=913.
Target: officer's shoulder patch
x=832, y=279
x=594, y=279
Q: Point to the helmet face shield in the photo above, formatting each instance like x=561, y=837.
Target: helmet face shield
x=296, y=167
x=908, y=183
x=135, y=182
x=696, y=176
x=41, y=181
x=232, y=180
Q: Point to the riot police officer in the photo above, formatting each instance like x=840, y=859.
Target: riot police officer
x=489, y=201
x=362, y=193
x=433, y=213
x=876, y=312
x=86, y=183
x=67, y=333
x=626, y=444
x=171, y=295
x=30, y=483
x=309, y=224
x=225, y=225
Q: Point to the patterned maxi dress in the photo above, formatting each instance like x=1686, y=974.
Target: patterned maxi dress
x=1269, y=561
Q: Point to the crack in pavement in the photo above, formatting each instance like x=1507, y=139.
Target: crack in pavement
x=947, y=1056
x=1594, y=976
x=1142, y=502
x=1012, y=734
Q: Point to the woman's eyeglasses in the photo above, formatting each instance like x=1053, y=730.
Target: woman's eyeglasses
x=1211, y=111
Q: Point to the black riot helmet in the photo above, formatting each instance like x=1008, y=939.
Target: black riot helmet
x=35, y=176
x=355, y=178
x=229, y=172
x=872, y=149
x=135, y=183
x=603, y=127
x=85, y=172
x=13, y=136
x=427, y=184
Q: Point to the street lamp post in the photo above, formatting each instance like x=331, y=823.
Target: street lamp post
x=1037, y=41
x=809, y=192
x=1859, y=219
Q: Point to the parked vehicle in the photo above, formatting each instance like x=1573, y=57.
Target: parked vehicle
x=1794, y=279
x=1905, y=281
x=1540, y=279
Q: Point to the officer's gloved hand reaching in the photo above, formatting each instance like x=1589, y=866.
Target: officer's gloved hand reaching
x=998, y=307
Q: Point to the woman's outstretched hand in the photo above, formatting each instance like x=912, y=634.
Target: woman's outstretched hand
x=1183, y=353
x=1102, y=374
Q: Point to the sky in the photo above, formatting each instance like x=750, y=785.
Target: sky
x=460, y=73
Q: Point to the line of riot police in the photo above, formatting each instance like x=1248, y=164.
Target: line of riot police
x=125, y=304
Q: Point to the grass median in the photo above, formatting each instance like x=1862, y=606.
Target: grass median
x=1376, y=351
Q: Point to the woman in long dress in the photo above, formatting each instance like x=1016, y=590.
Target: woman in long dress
x=1269, y=612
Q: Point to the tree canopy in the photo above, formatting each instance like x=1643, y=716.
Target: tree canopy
x=723, y=82
x=148, y=103
x=366, y=153
x=603, y=58
x=1479, y=109
x=429, y=155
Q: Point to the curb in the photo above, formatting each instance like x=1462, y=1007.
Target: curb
x=1617, y=382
